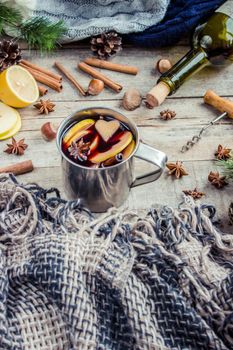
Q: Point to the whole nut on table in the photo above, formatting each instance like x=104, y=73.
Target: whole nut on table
x=132, y=99
x=163, y=65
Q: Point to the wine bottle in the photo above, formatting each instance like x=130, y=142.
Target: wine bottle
x=212, y=41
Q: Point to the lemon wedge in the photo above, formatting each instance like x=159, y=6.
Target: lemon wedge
x=18, y=88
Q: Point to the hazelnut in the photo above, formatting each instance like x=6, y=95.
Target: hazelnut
x=163, y=65
x=95, y=87
x=49, y=131
x=132, y=99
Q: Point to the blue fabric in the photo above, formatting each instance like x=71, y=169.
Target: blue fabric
x=182, y=16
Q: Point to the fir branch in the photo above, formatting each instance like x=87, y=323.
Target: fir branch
x=9, y=16
x=227, y=167
x=41, y=34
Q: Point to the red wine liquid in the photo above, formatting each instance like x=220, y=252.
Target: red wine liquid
x=79, y=151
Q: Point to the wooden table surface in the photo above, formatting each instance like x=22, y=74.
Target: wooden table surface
x=167, y=136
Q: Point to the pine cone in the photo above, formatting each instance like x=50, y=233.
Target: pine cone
x=10, y=54
x=106, y=45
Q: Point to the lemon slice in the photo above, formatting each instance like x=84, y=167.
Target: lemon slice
x=18, y=88
x=8, y=119
x=14, y=130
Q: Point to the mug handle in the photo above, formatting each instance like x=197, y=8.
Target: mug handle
x=153, y=156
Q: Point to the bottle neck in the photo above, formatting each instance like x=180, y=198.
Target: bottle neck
x=192, y=62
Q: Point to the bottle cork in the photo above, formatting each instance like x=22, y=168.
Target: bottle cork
x=157, y=95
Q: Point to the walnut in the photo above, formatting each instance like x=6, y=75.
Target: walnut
x=132, y=99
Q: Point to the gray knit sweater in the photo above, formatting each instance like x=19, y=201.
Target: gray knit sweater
x=84, y=18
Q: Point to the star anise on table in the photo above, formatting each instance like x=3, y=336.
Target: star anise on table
x=223, y=153
x=176, y=169
x=194, y=193
x=45, y=106
x=167, y=114
x=79, y=150
x=16, y=147
x=216, y=180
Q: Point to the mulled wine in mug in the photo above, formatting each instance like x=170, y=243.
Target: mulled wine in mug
x=98, y=146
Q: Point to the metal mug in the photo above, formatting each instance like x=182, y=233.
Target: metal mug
x=102, y=188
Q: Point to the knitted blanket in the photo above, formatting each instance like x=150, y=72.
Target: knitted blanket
x=117, y=282
x=152, y=22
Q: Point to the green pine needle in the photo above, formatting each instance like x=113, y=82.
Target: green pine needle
x=228, y=167
x=9, y=16
x=41, y=34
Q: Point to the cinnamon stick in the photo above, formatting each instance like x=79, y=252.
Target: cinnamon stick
x=122, y=68
x=18, y=168
x=42, y=70
x=70, y=77
x=42, y=90
x=96, y=74
x=43, y=78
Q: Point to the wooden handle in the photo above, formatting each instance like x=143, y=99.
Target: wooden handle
x=220, y=103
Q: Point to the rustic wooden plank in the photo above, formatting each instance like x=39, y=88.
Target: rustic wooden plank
x=219, y=78
x=186, y=109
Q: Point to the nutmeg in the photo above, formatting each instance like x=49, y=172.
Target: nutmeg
x=49, y=131
x=95, y=87
x=132, y=99
x=163, y=65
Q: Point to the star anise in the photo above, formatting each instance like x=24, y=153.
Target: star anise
x=194, y=193
x=167, y=114
x=222, y=153
x=176, y=169
x=45, y=106
x=216, y=180
x=16, y=147
x=79, y=150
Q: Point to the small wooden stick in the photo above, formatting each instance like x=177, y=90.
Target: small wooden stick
x=42, y=70
x=96, y=74
x=220, y=103
x=42, y=90
x=157, y=95
x=43, y=78
x=18, y=168
x=122, y=68
x=70, y=77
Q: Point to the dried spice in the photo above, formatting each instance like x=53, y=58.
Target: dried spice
x=79, y=150
x=10, y=54
x=45, y=106
x=176, y=169
x=216, y=180
x=194, y=193
x=132, y=99
x=223, y=153
x=106, y=45
x=16, y=147
x=167, y=114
